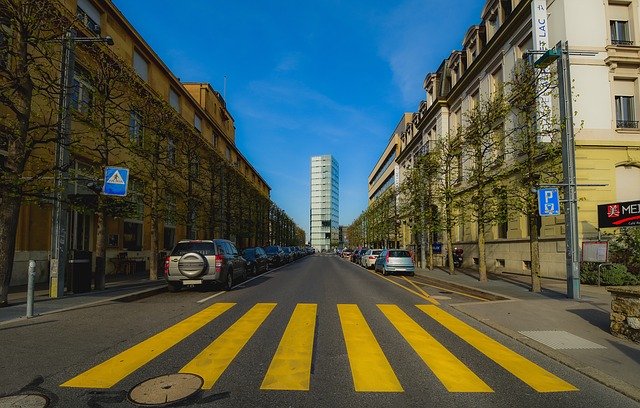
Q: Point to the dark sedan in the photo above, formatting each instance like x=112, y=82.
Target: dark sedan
x=257, y=260
x=276, y=255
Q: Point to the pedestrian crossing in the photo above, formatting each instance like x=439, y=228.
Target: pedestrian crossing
x=290, y=367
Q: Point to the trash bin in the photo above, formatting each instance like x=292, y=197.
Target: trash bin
x=80, y=271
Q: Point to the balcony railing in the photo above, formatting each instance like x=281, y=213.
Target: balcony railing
x=621, y=42
x=627, y=124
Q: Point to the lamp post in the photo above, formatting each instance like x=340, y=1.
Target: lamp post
x=60, y=221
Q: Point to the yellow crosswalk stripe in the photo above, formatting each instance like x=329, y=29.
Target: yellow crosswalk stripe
x=115, y=369
x=370, y=368
x=290, y=368
x=531, y=374
x=454, y=375
x=215, y=358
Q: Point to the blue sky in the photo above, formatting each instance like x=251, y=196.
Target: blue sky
x=307, y=78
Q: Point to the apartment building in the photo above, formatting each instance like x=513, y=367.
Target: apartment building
x=202, y=186
x=605, y=37
x=324, y=213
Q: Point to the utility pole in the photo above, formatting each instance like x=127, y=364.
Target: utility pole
x=60, y=220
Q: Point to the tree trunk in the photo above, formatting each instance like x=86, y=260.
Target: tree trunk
x=101, y=247
x=423, y=255
x=534, y=246
x=448, y=237
x=482, y=256
x=153, y=258
x=9, y=212
x=430, y=251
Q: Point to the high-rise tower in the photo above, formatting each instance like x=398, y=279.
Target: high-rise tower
x=324, y=202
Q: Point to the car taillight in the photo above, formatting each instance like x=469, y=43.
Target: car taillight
x=166, y=265
x=372, y=257
x=218, y=260
x=386, y=259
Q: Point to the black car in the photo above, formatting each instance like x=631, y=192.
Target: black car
x=257, y=260
x=276, y=255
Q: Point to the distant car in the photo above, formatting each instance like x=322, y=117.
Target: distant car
x=395, y=261
x=368, y=259
x=276, y=255
x=288, y=254
x=257, y=260
x=195, y=262
x=346, y=253
x=357, y=254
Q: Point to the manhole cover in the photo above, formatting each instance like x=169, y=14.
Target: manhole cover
x=166, y=389
x=24, y=401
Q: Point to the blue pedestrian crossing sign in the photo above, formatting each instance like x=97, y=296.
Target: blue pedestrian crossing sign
x=116, y=180
x=548, y=202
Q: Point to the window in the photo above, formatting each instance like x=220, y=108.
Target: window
x=141, y=66
x=620, y=32
x=625, y=113
x=135, y=128
x=82, y=92
x=132, y=240
x=627, y=186
x=174, y=99
x=88, y=15
x=197, y=123
x=227, y=153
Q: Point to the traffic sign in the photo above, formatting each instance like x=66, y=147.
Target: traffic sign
x=116, y=180
x=548, y=202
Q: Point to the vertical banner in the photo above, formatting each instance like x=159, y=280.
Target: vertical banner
x=540, y=32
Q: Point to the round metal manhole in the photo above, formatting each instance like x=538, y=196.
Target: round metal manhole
x=24, y=401
x=166, y=389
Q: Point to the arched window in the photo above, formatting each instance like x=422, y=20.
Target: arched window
x=627, y=183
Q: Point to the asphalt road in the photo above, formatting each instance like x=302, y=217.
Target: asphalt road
x=321, y=332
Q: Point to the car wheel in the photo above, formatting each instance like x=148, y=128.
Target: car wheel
x=254, y=271
x=412, y=274
x=244, y=274
x=174, y=286
x=384, y=271
x=229, y=283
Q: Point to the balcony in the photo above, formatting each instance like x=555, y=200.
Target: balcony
x=622, y=54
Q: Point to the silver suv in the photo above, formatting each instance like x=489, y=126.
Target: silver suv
x=194, y=262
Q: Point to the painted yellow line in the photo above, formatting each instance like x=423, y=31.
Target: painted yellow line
x=454, y=291
x=370, y=368
x=435, y=302
x=215, y=358
x=454, y=375
x=290, y=368
x=109, y=373
x=533, y=375
x=420, y=295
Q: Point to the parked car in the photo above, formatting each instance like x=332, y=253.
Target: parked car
x=276, y=255
x=368, y=259
x=357, y=254
x=346, y=253
x=288, y=254
x=195, y=262
x=257, y=260
x=394, y=261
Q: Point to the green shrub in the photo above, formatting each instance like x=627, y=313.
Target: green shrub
x=624, y=248
x=611, y=275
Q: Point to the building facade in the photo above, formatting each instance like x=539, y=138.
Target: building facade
x=188, y=179
x=324, y=213
x=606, y=88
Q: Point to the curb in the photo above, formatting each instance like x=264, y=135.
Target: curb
x=485, y=294
x=591, y=372
x=127, y=297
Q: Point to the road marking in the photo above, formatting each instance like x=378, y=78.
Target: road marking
x=290, y=367
x=434, y=301
x=112, y=371
x=453, y=291
x=370, y=368
x=454, y=375
x=215, y=358
x=531, y=374
x=420, y=295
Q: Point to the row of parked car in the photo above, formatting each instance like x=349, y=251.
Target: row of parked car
x=218, y=261
x=385, y=261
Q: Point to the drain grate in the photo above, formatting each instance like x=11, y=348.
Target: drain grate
x=24, y=401
x=561, y=340
x=166, y=389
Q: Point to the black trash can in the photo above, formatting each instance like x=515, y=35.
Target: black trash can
x=80, y=271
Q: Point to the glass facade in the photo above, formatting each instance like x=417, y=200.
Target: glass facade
x=324, y=203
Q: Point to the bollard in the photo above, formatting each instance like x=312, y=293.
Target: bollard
x=30, y=287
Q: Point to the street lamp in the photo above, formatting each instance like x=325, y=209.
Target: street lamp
x=560, y=54
x=60, y=222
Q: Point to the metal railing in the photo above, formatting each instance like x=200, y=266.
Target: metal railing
x=626, y=124
x=621, y=42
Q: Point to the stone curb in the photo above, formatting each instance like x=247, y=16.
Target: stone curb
x=485, y=294
x=591, y=372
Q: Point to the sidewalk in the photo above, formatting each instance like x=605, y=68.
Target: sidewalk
x=116, y=288
x=573, y=332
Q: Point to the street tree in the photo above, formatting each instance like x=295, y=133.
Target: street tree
x=30, y=31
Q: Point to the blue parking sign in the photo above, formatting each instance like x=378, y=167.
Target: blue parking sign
x=548, y=202
x=116, y=180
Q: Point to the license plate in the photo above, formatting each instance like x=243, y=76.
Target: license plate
x=191, y=282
